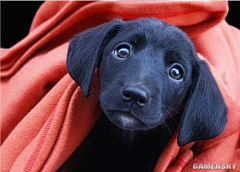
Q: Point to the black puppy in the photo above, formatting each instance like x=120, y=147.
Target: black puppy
x=151, y=83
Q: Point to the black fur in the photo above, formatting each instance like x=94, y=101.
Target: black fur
x=193, y=103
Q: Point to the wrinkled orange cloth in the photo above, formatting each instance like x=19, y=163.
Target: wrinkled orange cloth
x=44, y=114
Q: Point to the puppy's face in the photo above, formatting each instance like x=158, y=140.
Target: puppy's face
x=148, y=71
x=145, y=74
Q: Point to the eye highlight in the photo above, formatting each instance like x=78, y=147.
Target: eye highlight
x=176, y=71
x=122, y=51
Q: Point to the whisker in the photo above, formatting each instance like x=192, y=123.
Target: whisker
x=165, y=124
x=171, y=116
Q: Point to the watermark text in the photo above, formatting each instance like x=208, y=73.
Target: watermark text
x=209, y=166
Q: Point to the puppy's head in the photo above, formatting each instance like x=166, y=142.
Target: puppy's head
x=148, y=72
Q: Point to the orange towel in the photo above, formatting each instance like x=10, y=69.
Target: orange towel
x=44, y=115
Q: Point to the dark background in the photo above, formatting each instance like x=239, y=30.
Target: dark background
x=16, y=18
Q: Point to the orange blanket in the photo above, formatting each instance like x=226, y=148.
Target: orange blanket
x=44, y=115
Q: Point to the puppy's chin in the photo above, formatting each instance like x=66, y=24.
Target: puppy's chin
x=126, y=121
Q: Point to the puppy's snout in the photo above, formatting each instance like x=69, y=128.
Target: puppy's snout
x=135, y=94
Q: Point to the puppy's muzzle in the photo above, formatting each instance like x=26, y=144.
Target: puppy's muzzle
x=135, y=94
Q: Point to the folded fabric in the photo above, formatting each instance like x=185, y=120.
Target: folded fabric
x=44, y=115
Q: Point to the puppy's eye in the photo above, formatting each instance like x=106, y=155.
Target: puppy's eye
x=176, y=72
x=122, y=51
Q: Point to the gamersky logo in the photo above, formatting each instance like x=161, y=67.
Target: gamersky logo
x=214, y=166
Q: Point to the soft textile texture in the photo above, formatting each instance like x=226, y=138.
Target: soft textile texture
x=44, y=115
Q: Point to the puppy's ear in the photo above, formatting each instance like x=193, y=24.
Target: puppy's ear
x=205, y=114
x=85, y=51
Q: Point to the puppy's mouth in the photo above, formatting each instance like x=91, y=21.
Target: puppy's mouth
x=126, y=120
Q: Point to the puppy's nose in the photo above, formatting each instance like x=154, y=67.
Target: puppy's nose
x=135, y=94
